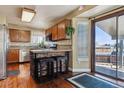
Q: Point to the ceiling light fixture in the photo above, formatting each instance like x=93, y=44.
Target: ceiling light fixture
x=27, y=15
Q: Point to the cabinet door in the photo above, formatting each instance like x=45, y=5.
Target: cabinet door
x=61, y=30
x=13, y=33
x=24, y=36
x=13, y=55
x=55, y=32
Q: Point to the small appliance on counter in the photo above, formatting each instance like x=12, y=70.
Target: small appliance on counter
x=49, y=37
x=50, y=45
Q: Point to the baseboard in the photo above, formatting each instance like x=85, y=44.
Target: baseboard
x=81, y=70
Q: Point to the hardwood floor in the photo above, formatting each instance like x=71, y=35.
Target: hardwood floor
x=24, y=80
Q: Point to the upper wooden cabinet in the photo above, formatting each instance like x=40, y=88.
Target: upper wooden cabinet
x=13, y=34
x=55, y=32
x=19, y=35
x=24, y=36
x=59, y=31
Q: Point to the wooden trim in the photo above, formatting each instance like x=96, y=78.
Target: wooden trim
x=28, y=10
x=118, y=13
x=116, y=46
x=92, y=46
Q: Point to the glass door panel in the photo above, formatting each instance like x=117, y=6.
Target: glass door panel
x=105, y=47
x=120, y=62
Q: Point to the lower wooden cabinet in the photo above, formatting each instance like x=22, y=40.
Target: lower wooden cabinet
x=13, y=56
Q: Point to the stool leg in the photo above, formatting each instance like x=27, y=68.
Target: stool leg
x=60, y=66
x=56, y=68
x=52, y=69
x=39, y=71
x=48, y=70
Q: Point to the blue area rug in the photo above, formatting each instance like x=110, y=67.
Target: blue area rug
x=89, y=81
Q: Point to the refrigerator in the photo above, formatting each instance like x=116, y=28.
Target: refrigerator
x=3, y=51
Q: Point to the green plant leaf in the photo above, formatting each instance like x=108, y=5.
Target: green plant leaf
x=69, y=31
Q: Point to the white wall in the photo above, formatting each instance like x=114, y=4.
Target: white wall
x=3, y=20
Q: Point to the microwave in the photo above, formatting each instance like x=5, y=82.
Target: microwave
x=49, y=37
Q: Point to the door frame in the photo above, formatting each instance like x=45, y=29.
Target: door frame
x=115, y=14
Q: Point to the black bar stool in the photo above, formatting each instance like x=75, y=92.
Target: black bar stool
x=46, y=68
x=62, y=63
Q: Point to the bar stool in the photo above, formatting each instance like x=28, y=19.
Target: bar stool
x=62, y=64
x=46, y=68
x=55, y=66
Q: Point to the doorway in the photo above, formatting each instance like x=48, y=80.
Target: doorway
x=108, y=45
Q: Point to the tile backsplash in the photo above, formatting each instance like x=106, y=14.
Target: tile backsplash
x=64, y=44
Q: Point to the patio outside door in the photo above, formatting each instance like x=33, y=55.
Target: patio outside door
x=106, y=47
x=109, y=46
x=120, y=63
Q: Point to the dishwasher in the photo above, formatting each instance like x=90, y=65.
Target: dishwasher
x=24, y=55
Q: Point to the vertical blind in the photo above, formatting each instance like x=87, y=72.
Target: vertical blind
x=82, y=38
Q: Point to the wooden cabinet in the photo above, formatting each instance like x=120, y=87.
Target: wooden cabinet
x=19, y=35
x=13, y=56
x=24, y=36
x=13, y=33
x=54, y=32
x=62, y=29
x=59, y=31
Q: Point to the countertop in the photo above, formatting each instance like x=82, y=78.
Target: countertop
x=50, y=50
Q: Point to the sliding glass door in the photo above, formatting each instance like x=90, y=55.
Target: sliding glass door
x=120, y=62
x=109, y=46
x=105, y=47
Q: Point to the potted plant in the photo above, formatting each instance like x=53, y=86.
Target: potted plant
x=41, y=45
x=69, y=31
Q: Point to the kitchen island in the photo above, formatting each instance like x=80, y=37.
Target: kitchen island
x=46, y=64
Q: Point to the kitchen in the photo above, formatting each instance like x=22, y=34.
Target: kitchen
x=42, y=49
x=21, y=40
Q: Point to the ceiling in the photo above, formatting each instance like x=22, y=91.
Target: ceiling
x=100, y=9
x=45, y=14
